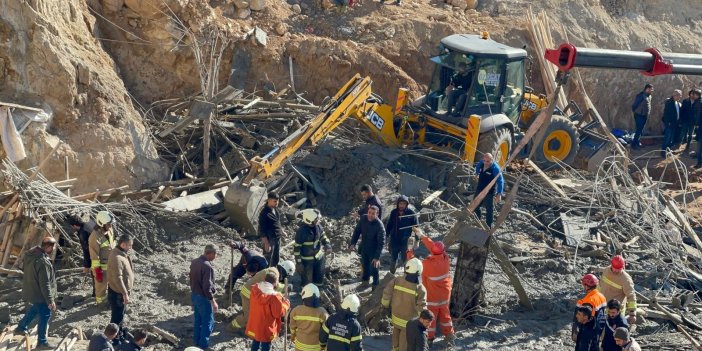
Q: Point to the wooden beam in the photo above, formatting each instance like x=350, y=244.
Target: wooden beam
x=433, y=196
x=548, y=179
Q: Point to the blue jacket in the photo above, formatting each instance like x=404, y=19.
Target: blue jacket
x=588, y=337
x=486, y=176
x=608, y=343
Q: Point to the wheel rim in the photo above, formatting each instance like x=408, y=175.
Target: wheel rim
x=557, y=145
x=503, y=151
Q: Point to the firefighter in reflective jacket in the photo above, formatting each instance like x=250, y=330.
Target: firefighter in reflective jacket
x=437, y=280
x=306, y=320
x=341, y=331
x=239, y=322
x=406, y=298
x=617, y=284
x=100, y=244
x=309, y=242
x=595, y=300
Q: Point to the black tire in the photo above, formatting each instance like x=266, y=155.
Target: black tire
x=560, y=148
x=495, y=142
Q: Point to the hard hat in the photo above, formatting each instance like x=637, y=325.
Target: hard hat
x=192, y=348
x=413, y=266
x=309, y=290
x=589, y=280
x=309, y=215
x=438, y=248
x=289, y=267
x=351, y=303
x=618, y=262
x=102, y=218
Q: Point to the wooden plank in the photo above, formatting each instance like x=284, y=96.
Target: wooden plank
x=433, y=196
x=548, y=180
x=24, y=107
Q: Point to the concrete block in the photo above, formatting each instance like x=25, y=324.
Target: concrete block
x=411, y=185
x=260, y=37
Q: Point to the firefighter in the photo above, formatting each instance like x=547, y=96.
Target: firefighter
x=268, y=307
x=309, y=242
x=307, y=319
x=100, y=244
x=406, y=298
x=437, y=280
x=341, y=331
x=283, y=270
x=398, y=230
x=595, y=300
x=617, y=284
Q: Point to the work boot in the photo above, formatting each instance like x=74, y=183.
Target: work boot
x=45, y=346
x=19, y=331
x=364, y=285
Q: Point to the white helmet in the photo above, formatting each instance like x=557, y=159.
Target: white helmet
x=289, y=267
x=192, y=348
x=309, y=290
x=309, y=215
x=351, y=303
x=413, y=266
x=102, y=218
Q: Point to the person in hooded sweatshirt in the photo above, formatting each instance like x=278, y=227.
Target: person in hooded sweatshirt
x=341, y=331
x=306, y=320
x=266, y=311
x=398, y=231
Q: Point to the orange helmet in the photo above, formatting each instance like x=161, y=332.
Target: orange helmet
x=618, y=262
x=589, y=280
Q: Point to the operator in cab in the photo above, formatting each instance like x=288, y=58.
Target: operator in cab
x=457, y=89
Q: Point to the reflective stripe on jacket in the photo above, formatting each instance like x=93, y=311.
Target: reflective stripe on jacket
x=405, y=299
x=100, y=244
x=305, y=323
x=618, y=286
x=436, y=277
x=341, y=332
x=308, y=243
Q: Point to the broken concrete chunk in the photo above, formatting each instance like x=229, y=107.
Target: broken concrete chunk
x=83, y=74
x=257, y=5
x=241, y=4
x=327, y=4
x=113, y=5
x=260, y=36
x=243, y=13
x=281, y=28
x=471, y=4
x=297, y=9
x=411, y=185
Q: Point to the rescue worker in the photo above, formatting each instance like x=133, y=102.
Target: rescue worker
x=437, y=280
x=406, y=298
x=614, y=320
x=588, y=337
x=310, y=246
x=39, y=290
x=627, y=343
x=341, y=331
x=268, y=307
x=270, y=229
x=202, y=286
x=398, y=231
x=282, y=271
x=617, y=284
x=417, y=332
x=487, y=170
x=596, y=302
x=372, y=234
x=120, y=278
x=306, y=320
x=101, y=243
x=249, y=258
x=369, y=199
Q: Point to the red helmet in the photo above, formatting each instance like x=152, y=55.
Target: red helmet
x=438, y=248
x=618, y=262
x=589, y=280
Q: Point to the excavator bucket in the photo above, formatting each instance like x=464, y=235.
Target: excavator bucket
x=243, y=204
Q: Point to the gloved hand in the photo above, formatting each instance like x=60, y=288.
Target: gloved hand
x=98, y=274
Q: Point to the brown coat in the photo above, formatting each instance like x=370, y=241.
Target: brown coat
x=405, y=299
x=100, y=244
x=305, y=323
x=120, y=272
x=618, y=286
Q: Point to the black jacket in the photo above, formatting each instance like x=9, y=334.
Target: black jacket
x=343, y=325
x=372, y=236
x=269, y=223
x=202, y=277
x=608, y=343
x=83, y=236
x=686, y=117
x=396, y=235
x=253, y=258
x=670, y=113
x=308, y=242
x=99, y=342
x=128, y=347
x=373, y=200
x=416, y=336
x=642, y=104
x=588, y=337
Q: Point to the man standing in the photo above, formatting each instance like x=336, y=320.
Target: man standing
x=268, y=307
x=270, y=229
x=372, y=233
x=398, y=230
x=487, y=170
x=596, y=304
x=101, y=243
x=417, y=331
x=369, y=199
x=627, y=343
x=641, y=109
x=310, y=246
x=588, y=337
x=83, y=235
x=406, y=298
x=120, y=278
x=202, y=286
x=614, y=320
x=617, y=284
x=671, y=118
x=103, y=341
x=436, y=278
x=307, y=319
x=249, y=258
x=341, y=331
x=687, y=123
x=39, y=289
